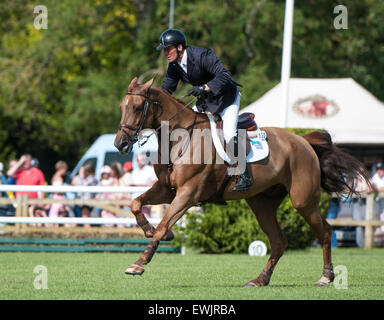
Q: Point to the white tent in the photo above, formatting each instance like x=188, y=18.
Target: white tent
x=350, y=113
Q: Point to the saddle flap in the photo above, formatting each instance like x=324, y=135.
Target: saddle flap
x=247, y=121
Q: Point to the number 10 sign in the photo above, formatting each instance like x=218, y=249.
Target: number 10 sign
x=257, y=248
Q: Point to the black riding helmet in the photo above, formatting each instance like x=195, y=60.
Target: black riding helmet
x=171, y=37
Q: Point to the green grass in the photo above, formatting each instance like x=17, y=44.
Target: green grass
x=193, y=276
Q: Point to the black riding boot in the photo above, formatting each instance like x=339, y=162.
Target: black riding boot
x=245, y=179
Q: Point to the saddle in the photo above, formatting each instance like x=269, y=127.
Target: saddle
x=255, y=142
x=246, y=121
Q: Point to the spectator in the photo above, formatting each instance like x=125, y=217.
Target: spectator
x=35, y=163
x=9, y=209
x=378, y=186
x=58, y=179
x=333, y=211
x=358, y=210
x=117, y=172
x=143, y=175
x=25, y=174
x=77, y=181
x=106, y=177
x=107, y=180
x=11, y=180
x=378, y=178
x=3, y=179
x=87, y=179
x=39, y=211
x=126, y=179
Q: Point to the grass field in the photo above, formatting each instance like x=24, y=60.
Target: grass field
x=193, y=276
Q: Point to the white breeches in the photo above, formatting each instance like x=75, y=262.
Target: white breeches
x=229, y=116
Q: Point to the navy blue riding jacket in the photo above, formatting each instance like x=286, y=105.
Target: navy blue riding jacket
x=204, y=67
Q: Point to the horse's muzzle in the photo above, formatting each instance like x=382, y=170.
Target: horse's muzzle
x=123, y=146
x=126, y=148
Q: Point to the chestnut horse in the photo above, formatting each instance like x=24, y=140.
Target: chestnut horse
x=297, y=165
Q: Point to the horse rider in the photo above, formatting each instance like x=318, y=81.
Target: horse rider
x=212, y=84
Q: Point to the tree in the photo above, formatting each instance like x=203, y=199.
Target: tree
x=60, y=88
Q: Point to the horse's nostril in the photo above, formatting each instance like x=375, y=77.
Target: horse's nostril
x=124, y=147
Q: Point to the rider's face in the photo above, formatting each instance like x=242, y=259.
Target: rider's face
x=171, y=53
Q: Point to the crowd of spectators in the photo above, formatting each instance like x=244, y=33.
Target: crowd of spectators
x=359, y=205
x=25, y=171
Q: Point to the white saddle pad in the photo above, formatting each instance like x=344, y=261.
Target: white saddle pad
x=258, y=139
x=259, y=146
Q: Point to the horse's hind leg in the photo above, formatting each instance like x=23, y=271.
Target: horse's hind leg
x=265, y=207
x=308, y=207
x=323, y=233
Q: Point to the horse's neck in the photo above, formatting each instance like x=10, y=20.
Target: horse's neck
x=175, y=115
x=174, y=111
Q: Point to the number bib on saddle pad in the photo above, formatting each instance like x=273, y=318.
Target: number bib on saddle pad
x=259, y=145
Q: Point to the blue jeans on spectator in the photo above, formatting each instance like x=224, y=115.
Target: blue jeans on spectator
x=333, y=211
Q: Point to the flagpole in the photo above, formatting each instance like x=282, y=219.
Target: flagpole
x=171, y=12
x=286, y=59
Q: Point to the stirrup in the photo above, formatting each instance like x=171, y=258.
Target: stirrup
x=244, y=183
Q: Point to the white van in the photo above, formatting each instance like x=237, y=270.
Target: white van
x=103, y=152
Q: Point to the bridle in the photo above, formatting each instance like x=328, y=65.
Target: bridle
x=148, y=102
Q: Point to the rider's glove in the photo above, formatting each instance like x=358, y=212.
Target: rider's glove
x=197, y=91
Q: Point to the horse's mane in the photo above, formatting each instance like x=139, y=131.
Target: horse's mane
x=171, y=97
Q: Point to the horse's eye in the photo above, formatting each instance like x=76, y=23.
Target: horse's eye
x=139, y=109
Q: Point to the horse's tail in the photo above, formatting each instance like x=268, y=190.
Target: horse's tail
x=340, y=172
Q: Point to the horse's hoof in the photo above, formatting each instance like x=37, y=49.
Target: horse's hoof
x=323, y=282
x=250, y=284
x=134, y=270
x=255, y=283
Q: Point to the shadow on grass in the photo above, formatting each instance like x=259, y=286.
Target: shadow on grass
x=240, y=286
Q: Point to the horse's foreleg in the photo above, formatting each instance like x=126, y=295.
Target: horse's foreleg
x=157, y=194
x=176, y=210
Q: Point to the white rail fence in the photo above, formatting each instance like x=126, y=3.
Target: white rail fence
x=22, y=203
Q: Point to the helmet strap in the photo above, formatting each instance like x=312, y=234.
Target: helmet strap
x=178, y=53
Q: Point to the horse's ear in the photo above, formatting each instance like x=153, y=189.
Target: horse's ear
x=133, y=83
x=148, y=84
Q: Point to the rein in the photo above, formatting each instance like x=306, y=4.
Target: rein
x=147, y=104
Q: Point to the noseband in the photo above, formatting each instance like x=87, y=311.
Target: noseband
x=147, y=104
x=123, y=126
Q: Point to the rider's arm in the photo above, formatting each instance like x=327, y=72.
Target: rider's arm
x=212, y=64
x=171, y=80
